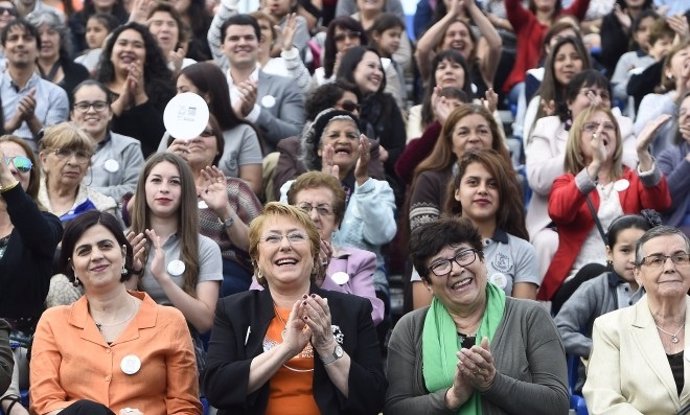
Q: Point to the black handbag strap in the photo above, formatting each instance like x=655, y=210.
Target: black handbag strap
x=596, y=219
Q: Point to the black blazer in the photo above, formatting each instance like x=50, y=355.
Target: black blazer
x=245, y=317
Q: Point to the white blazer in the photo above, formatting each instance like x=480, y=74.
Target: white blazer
x=628, y=371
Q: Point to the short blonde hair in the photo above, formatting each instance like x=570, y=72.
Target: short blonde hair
x=574, y=159
x=66, y=135
x=277, y=209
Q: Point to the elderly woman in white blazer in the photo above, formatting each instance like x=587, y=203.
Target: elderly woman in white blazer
x=545, y=155
x=638, y=363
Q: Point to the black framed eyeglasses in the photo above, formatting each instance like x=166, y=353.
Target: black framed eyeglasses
x=443, y=266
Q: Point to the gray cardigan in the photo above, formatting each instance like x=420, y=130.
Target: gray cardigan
x=593, y=298
x=530, y=361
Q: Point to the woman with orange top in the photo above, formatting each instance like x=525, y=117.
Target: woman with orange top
x=296, y=349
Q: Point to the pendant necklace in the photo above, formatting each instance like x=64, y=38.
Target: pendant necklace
x=674, y=336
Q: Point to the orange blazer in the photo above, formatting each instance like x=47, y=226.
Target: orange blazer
x=70, y=361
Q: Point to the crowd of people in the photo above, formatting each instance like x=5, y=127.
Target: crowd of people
x=520, y=168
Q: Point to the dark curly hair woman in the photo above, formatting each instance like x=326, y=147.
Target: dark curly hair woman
x=136, y=73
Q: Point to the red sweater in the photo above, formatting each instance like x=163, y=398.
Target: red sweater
x=530, y=34
x=569, y=211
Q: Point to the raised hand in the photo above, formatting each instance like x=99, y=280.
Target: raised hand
x=549, y=108
x=622, y=16
x=327, y=164
x=138, y=242
x=179, y=147
x=648, y=133
x=362, y=166
x=177, y=57
x=597, y=146
x=490, y=100
x=287, y=32
x=158, y=261
x=215, y=193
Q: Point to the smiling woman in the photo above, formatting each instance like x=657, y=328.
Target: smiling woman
x=596, y=189
x=303, y=350
x=149, y=344
x=474, y=350
x=118, y=159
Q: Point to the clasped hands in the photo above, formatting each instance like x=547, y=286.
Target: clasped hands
x=475, y=371
x=309, y=322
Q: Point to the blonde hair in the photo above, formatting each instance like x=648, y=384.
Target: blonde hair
x=574, y=159
x=277, y=209
x=66, y=135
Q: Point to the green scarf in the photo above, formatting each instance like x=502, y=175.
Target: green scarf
x=440, y=344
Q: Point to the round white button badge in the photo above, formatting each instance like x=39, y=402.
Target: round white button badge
x=620, y=185
x=111, y=166
x=130, y=364
x=340, y=277
x=175, y=268
x=499, y=280
x=268, y=101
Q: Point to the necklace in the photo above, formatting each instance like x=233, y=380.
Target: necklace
x=282, y=333
x=131, y=315
x=674, y=336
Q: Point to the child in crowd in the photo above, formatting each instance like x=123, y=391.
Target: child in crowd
x=385, y=36
x=98, y=27
x=609, y=291
x=654, y=37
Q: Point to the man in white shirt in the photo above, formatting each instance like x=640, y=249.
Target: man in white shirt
x=272, y=103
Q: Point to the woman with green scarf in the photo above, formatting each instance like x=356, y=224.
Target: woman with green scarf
x=474, y=350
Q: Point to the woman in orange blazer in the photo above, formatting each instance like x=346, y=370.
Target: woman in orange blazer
x=596, y=181
x=112, y=351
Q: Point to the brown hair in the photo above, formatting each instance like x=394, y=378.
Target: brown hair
x=187, y=216
x=316, y=180
x=510, y=215
x=668, y=83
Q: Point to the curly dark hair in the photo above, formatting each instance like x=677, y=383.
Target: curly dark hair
x=324, y=97
x=157, y=77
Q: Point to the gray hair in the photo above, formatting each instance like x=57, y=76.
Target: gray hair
x=313, y=133
x=51, y=19
x=655, y=233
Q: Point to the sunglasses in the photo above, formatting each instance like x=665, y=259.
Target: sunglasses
x=10, y=10
x=347, y=35
x=349, y=106
x=21, y=163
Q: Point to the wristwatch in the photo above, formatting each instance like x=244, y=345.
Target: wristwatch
x=338, y=352
x=227, y=223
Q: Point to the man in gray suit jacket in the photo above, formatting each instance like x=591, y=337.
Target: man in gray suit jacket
x=272, y=103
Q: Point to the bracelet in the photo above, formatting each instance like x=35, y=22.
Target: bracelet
x=7, y=188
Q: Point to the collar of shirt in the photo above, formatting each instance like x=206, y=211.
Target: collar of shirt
x=499, y=236
x=253, y=77
x=32, y=82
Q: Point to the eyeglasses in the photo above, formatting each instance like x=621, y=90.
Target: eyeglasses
x=322, y=209
x=80, y=155
x=9, y=10
x=349, y=106
x=83, y=106
x=294, y=238
x=656, y=261
x=21, y=163
x=347, y=35
x=591, y=127
x=444, y=266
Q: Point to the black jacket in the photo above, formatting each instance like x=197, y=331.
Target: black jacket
x=237, y=337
